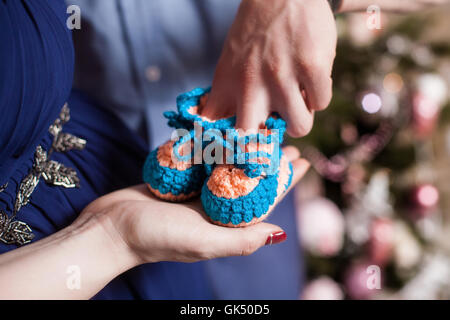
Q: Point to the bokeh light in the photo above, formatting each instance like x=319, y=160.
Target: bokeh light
x=371, y=103
x=393, y=83
x=424, y=107
x=428, y=195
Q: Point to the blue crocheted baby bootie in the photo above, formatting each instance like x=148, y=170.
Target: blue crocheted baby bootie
x=171, y=172
x=244, y=193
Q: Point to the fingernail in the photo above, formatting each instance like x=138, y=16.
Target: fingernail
x=276, y=238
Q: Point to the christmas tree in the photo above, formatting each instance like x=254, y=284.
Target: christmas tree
x=374, y=214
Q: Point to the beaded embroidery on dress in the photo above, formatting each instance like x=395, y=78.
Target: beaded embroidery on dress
x=13, y=231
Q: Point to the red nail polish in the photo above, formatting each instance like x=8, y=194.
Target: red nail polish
x=276, y=238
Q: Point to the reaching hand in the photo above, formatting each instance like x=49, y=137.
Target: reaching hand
x=278, y=57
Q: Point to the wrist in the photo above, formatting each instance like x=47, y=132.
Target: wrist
x=115, y=252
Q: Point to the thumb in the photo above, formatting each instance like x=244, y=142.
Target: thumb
x=245, y=241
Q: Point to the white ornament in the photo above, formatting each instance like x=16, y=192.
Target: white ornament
x=433, y=277
x=323, y=288
x=372, y=202
x=407, y=250
x=433, y=87
x=321, y=226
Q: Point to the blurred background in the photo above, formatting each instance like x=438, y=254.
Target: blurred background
x=379, y=193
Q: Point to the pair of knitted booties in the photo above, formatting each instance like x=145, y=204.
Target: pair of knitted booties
x=239, y=177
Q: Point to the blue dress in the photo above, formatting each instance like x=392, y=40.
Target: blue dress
x=36, y=72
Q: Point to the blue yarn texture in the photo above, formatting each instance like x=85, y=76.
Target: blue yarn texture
x=176, y=182
x=167, y=180
x=242, y=209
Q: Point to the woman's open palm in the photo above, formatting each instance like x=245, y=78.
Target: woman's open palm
x=155, y=230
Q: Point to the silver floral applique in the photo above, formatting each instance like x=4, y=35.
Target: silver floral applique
x=13, y=231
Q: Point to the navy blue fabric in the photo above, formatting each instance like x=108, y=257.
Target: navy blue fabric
x=36, y=70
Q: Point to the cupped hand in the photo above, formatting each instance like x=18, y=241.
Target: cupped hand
x=152, y=230
x=278, y=57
